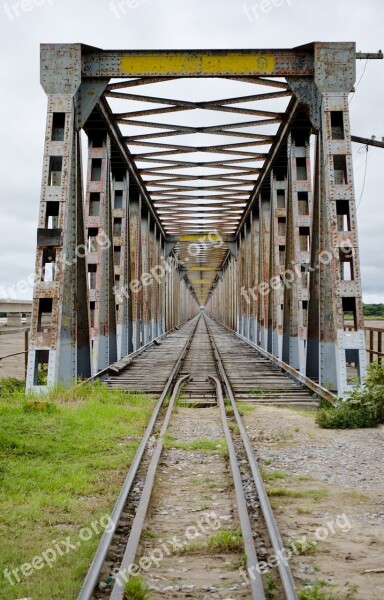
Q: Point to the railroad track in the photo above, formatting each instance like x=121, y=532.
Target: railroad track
x=198, y=379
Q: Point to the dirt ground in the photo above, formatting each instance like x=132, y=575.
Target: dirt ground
x=192, y=501
x=12, y=344
x=344, y=514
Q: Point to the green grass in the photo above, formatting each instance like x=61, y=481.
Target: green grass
x=303, y=547
x=225, y=541
x=271, y=475
x=317, y=592
x=217, y=445
x=147, y=534
x=135, y=589
x=315, y=494
x=245, y=408
x=363, y=407
x=257, y=391
x=61, y=468
x=344, y=417
x=234, y=427
x=270, y=586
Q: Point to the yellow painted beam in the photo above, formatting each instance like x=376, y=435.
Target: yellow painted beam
x=209, y=269
x=202, y=281
x=213, y=237
x=197, y=63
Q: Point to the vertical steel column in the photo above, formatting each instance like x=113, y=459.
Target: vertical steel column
x=255, y=275
x=100, y=256
x=313, y=331
x=154, y=262
x=336, y=266
x=236, y=291
x=135, y=266
x=59, y=340
x=248, y=275
x=144, y=277
x=277, y=258
x=298, y=249
x=264, y=268
x=162, y=289
x=243, y=298
x=167, y=304
x=340, y=281
x=120, y=194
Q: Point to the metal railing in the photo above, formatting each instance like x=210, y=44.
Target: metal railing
x=374, y=342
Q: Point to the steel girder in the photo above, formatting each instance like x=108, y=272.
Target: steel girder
x=153, y=208
x=311, y=235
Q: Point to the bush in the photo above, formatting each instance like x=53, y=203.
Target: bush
x=10, y=385
x=363, y=408
x=344, y=417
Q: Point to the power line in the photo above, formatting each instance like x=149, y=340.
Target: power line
x=365, y=177
x=358, y=83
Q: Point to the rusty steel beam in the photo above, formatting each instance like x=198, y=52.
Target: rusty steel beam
x=120, y=210
x=196, y=63
x=369, y=55
x=278, y=246
x=100, y=255
x=168, y=198
x=59, y=341
x=368, y=141
x=298, y=237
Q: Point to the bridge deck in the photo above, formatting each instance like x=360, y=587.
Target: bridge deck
x=252, y=377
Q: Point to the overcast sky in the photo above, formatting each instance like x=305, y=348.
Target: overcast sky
x=131, y=24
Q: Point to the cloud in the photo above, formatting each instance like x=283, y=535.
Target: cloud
x=172, y=24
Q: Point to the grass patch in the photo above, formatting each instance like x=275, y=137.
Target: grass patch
x=257, y=391
x=364, y=407
x=234, y=427
x=217, y=445
x=304, y=510
x=238, y=562
x=317, y=592
x=245, y=408
x=272, y=475
x=270, y=586
x=135, y=589
x=343, y=417
x=303, y=546
x=147, y=534
x=225, y=541
x=315, y=494
x=355, y=498
x=61, y=469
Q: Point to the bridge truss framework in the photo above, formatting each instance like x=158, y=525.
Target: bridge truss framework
x=114, y=270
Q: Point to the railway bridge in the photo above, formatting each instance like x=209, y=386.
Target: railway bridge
x=217, y=181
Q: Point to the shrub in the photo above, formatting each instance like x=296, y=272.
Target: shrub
x=364, y=407
x=136, y=589
x=11, y=385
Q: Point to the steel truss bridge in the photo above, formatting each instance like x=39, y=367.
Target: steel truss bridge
x=253, y=218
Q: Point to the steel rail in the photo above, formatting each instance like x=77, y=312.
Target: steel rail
x=92, y=576
x=141, y=512
x=255, y=580
x=273, y=531
x=131, y=356
x=296, y=375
